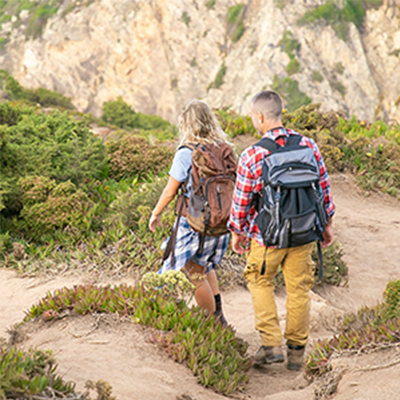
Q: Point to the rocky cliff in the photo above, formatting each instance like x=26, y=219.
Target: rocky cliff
x=158, y=54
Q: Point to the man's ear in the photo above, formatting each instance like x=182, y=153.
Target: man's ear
x=260, y=117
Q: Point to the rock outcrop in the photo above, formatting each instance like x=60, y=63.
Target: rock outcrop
x=158, y=54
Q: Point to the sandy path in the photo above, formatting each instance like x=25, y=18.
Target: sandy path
x=369, y=230
x=367, y=227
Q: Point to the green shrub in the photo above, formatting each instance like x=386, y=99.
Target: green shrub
x=234, y=124
x=238, y=32
x=335, y=269
x=337, y=85
x=293, y=67
x=48, y=207
x=210, y=4
x=185, y=18
x=121, y=114
x=10, y=86
x=3, y=42
x=133, y=156
x=354, y=12
x=316, y=76
x=339, y=68
x=9, y=116
x=51, y=145
x=31, y=373
x=193, y=63
x=212, y=352
x=234, y=13
x=290, y=92
x=48, y=98
x=219, y=79
x=391, y=308
x=288, y=44
x=39, y=18
x=235, y=22
x=127, y=208
x=45, y=97
x=281, y=4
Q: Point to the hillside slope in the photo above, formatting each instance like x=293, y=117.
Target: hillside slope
x=95, y=347
x=159, y=54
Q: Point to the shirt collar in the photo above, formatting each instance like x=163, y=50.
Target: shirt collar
x=275, y=133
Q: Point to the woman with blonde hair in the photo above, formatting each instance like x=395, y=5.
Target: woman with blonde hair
x=197, y=125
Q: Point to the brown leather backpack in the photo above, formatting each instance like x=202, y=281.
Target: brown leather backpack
x=213, y=182
x=207, y=210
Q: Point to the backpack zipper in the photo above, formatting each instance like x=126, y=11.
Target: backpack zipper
x=219, y=197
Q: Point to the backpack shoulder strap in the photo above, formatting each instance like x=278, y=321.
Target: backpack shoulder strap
x=190, y=146
x=268, y=144
x=294, y=140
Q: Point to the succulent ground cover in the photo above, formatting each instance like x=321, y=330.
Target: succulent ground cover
x=370, y=328
x=214, y=354
x=32, y=374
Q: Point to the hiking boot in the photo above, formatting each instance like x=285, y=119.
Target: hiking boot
x=219, y=316
x=295, y=358
x=268, y=355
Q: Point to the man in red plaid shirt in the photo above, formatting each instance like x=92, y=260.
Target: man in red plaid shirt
x=297, y=265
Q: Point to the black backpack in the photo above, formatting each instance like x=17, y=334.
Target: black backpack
x=291, y=208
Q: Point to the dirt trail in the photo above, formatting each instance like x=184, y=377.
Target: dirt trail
x=99, y=348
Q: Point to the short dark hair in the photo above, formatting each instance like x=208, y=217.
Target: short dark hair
x=268, y=103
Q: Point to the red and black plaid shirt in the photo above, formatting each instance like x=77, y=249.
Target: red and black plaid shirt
x=249, y=182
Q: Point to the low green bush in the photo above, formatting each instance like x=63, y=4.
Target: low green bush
x=288, y=44
x=185, y=18
x=234, y=13
x=44, y=97
x=119, y=113
x=214, y=354
x=219, y=78
x=48, y=207
x=210, y=4
x=52, y=145
x=234, y=124
x=293, y=67
x=353, y=12
x=290, y=92
x=133, y=156
x=31, y=373
x=49, y=98
x=370, y=329
x=316, y=76
x=235, y=22
x=10, y=86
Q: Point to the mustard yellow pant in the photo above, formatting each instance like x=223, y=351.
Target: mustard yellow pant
x=298, y=272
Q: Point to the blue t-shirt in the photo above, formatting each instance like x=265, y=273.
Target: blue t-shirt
x=181, y=165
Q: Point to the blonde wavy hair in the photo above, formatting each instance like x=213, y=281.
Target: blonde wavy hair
x=198, y=124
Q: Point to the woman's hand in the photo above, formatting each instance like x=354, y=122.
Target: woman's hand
x=154, y=221
x=166, y=197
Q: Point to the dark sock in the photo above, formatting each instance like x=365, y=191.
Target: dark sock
x=218, y=303
x=218, y=311
x=295, y=347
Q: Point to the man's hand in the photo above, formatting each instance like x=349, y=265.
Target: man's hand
x=154, y=221
x=328, y=235
x=238, y=243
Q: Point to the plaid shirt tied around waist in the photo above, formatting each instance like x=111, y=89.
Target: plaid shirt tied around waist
x=249, y=182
